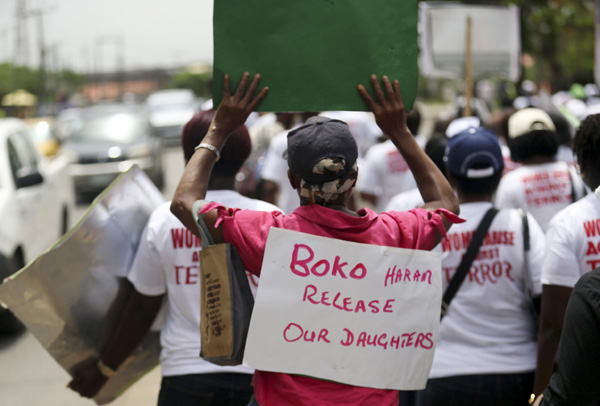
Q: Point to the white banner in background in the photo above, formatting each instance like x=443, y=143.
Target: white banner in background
x=496, y=40
x=358, y=314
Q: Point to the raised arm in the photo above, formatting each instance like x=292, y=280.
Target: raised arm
x=231, y=114
x=390, y=115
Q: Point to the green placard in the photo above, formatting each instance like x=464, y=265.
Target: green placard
x=313, y=53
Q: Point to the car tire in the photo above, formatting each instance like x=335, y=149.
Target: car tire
x=9, y=324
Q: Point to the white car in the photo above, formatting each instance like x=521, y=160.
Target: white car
x=36, y=199
x=169, y=110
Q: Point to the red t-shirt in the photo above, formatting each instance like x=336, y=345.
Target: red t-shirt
x=248, y=230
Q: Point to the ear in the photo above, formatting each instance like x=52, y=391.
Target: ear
x=292, y=179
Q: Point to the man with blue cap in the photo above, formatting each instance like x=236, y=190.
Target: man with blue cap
x=487, y=345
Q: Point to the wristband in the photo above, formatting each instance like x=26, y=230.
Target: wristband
x=104, y=369
x=210, y=148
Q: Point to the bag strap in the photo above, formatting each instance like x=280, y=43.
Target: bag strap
x=526, y=269
x=573, y=197
x=205, y=236
x=467, y=260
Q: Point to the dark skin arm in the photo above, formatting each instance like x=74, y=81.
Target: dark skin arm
x=138, y=315
x=231, y=114
x=553, y=306
x=390, y=115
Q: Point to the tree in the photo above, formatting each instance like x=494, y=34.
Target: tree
x=199, y=83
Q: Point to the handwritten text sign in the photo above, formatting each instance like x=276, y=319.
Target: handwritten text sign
x=353, y=313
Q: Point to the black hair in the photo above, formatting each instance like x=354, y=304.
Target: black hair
x=537, y=142
x=233, y=154
x=435, y=150
x=587, y=146
x=474, y=187
x=564, y=129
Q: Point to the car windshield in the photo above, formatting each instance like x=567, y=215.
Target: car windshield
x=119, y=127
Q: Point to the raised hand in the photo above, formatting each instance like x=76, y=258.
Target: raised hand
x=388, y=109
x=235, y=109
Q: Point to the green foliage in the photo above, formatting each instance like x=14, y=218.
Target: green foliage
x=13, y=78
x=199, y=83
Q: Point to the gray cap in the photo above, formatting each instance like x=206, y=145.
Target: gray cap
x=319, y=140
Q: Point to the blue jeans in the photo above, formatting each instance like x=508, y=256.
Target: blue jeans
x=226, y=389
x=475, y=390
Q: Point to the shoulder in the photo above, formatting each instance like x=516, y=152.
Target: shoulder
x=590, y=280
x=514, y=175
x=585, y=208
x=410, y=199
x=162, y=217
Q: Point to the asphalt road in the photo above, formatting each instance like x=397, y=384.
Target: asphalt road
x=29, y=376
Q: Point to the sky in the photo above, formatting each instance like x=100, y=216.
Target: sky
x=87, y=35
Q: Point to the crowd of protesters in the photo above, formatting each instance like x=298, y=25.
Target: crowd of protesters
x=532, y=166
x=496, y=345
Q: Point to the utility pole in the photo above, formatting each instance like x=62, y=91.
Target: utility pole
x=39, y=14
x=21, y=57
x=120, y=53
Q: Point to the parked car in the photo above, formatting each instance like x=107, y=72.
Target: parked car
x=110, y=139
x=36, y=200
x=170, y=110
x=43, y=135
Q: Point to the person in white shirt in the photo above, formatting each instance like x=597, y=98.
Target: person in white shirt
x=166, y=265
x=572, y=249
x=276, y=186
x=485, y=353
x=542, y=185
x=384, y=172
x=434, y=148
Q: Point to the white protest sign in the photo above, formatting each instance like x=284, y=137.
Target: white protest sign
x=358, y=314
x=496, y=32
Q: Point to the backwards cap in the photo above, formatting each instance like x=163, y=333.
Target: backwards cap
x=528, y=120
x=474, y=153
x=321, y=150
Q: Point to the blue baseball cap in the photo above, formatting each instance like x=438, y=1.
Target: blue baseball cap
x=474, y=153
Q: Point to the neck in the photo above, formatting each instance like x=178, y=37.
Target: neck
x=217, y=183
x=539, y=159
x=474, y=199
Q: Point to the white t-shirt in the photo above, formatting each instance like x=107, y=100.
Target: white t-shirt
x=543, y=190
x=276, y=170
x=489, y=327
x=362, y=125
x=167, y=262
x=405, y=201
x=384, y=174
x=573, y=243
